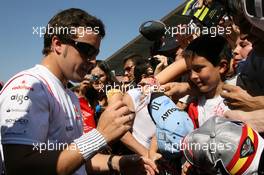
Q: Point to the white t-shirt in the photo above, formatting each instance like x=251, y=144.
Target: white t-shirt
x=210, y=107
x=143, y=127
x=37, y=110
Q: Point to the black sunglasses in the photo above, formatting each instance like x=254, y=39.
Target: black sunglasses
x=85, y=49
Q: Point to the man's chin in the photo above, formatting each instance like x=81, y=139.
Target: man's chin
x=77, y=79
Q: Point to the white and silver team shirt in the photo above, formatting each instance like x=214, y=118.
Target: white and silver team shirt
x=143, y=126
x=36, y=109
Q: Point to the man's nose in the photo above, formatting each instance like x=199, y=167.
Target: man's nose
x=93, y=61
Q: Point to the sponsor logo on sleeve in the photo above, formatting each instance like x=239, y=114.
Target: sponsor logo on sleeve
x=23, y=86
x=17, y=110
x=19, y=98
x=21, y=121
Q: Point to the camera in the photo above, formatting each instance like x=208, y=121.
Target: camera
x=94, y=78
x=162, y=45
x=91, y=78
x=154, y=61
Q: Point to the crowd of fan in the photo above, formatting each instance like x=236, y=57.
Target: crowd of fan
x=211, y=94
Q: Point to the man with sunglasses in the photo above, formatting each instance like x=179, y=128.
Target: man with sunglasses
x=41, y=123
x=129, y=63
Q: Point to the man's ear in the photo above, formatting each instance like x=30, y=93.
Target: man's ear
x=223, y=66
x=56, y=45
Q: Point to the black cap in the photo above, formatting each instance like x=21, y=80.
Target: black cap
x=168, y=44
x=152, y=30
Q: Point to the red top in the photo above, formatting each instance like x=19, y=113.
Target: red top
x=193, y=113
x=87, y=115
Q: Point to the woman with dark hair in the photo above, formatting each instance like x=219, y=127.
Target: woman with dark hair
x=103, y=87
x=95, y=92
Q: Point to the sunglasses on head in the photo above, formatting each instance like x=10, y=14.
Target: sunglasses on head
x=85, y=49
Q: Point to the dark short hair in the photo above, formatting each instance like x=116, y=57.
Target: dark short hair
x=141, y=69
x=135, y=58
x=67, y=19
x=213, y=48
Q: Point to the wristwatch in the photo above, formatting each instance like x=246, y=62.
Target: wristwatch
x=109, y=163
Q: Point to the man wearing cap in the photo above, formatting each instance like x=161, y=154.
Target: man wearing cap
x=166, y=54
